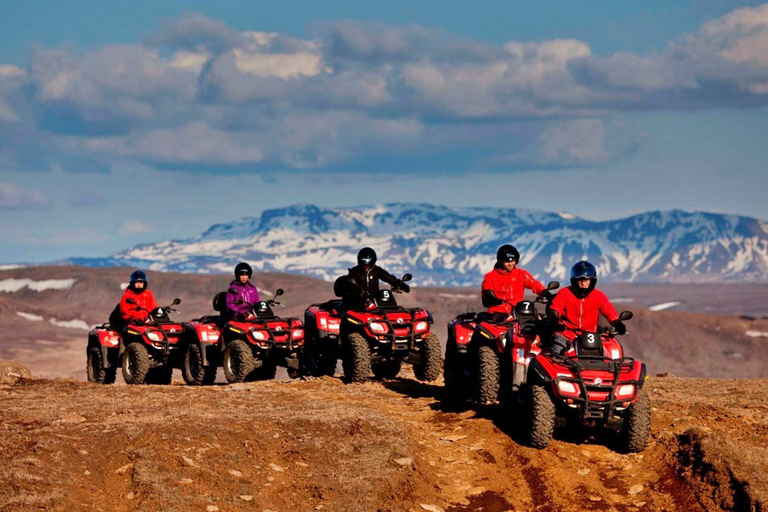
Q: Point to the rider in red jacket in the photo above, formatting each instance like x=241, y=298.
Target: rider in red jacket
x=139, y=292
x=505, y=285
x=579, y=306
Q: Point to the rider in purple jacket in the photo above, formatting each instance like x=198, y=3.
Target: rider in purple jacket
x=242, y=295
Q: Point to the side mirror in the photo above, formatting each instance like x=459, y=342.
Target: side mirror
x=553, y=285
x=130, y=301
x=279, y=292
x=176, y=302
x=407, y=277
x=625, y=315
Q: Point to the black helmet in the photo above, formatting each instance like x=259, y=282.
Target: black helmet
x=366, y=256
x=583, y=270
x=507, y=253
x=243, y=268
x=138, y=275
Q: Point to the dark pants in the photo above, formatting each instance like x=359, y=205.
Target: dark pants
x=559, y=344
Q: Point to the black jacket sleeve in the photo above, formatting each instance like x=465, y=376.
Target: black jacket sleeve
x=385, y=276
x=490, y=299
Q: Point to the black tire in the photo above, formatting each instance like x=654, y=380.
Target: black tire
x=293, y=373
x=357, y=360
x=161, y=375
x=136, y=364
x=457, y=389
x=431, y=362
x=95, y=368
x=637, y=424
x=238, y=361
x=387, y=369
x=192, y=369
x=541, y=420
x=487, y=375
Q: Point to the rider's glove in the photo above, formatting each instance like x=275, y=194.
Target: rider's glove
x=619, y=327
x=401, y=285
x=547, y=295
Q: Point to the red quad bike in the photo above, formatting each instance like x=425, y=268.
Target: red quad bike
x=102, y=354
x=150, y=351
x=253, y=348
x=322, y=322
x=592, y=385
x=202, y=346
x=476, y=345
x=383, y=335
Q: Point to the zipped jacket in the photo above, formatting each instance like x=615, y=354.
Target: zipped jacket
x=584, y=313
x=132, y=313
x=241, y=298
x=368, y=283
x=509, y=288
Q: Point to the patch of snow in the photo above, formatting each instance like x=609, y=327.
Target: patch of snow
x=566, y=215
x=665, y=305
x=123, y=286
x=70, y=324
x=457, y=295
x=14, y=285
x=756, y=334
x=29, y=316
x=10, y=267
x=623, y=299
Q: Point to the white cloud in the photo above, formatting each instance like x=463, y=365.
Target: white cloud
x=134, y=227
x=13, y=197
x=201, y=93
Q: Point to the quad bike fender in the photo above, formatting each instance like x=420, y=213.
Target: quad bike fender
x=108, y=343
x=462, y=333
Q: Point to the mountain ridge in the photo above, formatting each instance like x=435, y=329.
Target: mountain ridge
x=455, y=246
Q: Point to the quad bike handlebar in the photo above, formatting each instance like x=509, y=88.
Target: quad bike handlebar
x=168, y=308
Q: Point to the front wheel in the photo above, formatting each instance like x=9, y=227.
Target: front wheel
x=193, y=371
x=487, y=375
x=357, y=360
x=135, y=364
x=541, y=421
x=95, y=368
x=637, y=424
x=431, y=361
x=238, y=361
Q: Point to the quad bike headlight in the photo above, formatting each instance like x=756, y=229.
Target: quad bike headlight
x=154, y=336
x=260, y=335
x=567, y=388
x=625, y=391
x=378, y=327
x=421, y=326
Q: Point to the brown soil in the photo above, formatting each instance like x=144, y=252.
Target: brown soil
x=389, y=446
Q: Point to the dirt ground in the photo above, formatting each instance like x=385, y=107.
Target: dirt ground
x=378, y=446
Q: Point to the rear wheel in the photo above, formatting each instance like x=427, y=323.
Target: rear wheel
x=431, y=362
x=387, y=369
x=135, y=364
x=95, y=368
x=637, y=424
x=357, y=360
x=487, y=375
x=238, y=361
x=193, y=371
x=541, y=421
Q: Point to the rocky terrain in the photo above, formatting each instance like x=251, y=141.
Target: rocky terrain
x=377, y=446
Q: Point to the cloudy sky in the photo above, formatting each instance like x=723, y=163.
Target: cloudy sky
x=129, y=122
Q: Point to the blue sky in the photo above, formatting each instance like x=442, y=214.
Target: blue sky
x=123, y=123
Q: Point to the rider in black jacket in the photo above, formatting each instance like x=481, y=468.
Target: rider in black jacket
x=362, y=281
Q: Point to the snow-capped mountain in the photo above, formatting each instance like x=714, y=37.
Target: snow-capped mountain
x=456, y=246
